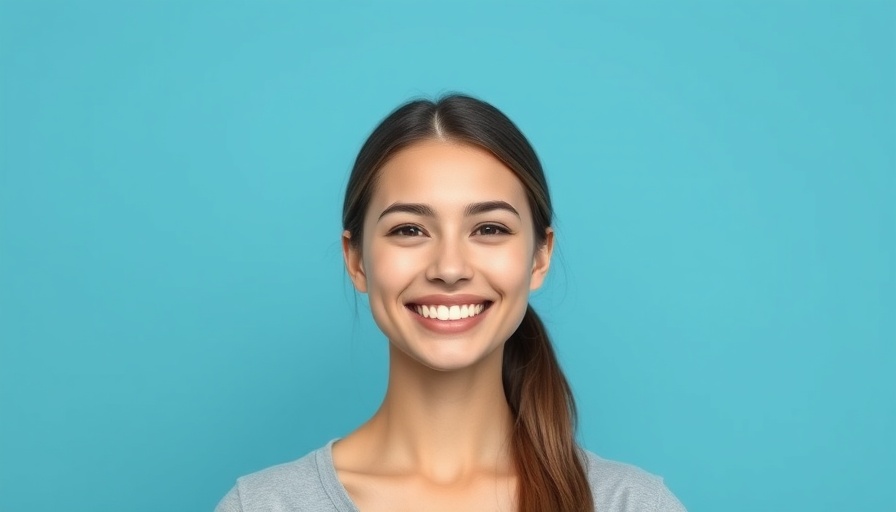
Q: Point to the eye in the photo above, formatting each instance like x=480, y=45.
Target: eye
x=407, y=230
x=492, y=230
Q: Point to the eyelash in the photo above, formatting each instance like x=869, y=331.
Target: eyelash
x=398, y=230
x=501, y=230
x=402, y=230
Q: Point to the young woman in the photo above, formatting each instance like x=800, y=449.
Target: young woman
x=447, y=229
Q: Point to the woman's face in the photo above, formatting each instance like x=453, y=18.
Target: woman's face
x=449, y=253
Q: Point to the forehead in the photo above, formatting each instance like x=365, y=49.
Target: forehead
x=446, y=175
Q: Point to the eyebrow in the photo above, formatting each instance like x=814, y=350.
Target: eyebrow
x=471, y=209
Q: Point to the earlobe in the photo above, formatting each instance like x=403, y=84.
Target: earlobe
x=542, y=261
x=354, y=264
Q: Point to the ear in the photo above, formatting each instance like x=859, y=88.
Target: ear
x=354, y=264
x=542, y=260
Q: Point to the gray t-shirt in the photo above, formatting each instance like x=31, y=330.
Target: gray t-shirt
x=310, y=484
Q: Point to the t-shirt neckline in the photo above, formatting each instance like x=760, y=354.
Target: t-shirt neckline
x=329, y=479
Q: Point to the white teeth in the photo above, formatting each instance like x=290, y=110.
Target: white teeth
x=449, y=312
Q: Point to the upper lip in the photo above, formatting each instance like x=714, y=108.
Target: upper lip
x=449, y=300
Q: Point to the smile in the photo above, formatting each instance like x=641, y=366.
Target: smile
x=453, y=312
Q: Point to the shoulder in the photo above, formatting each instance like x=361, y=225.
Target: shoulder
x=621, y=487
x=302, y=484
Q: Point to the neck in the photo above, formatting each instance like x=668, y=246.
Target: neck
x=444, y=423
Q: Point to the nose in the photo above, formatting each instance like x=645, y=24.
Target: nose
x=449, y=263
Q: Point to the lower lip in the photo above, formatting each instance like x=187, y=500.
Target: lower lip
x=450, y=326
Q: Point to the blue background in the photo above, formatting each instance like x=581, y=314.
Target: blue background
x=173, y=309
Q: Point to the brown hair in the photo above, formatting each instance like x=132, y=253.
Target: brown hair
x=550, y=466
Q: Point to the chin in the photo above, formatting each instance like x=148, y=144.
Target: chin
x=451, y=360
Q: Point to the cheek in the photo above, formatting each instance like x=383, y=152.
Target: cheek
x=510, y=268
x=394, y=267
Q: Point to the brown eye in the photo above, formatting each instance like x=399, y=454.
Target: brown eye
x=491, y=230
x=407, y=231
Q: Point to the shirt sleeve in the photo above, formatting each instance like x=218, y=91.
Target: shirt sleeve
x=230, y=502
x=667, y=501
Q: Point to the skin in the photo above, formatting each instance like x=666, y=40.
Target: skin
x=439, y=439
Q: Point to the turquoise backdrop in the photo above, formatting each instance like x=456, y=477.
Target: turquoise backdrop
x=173, y=309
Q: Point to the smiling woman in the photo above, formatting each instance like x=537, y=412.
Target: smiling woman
x=444, y=229
x=447, y=228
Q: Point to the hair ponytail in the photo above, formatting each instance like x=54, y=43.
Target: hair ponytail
x=550, y=468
